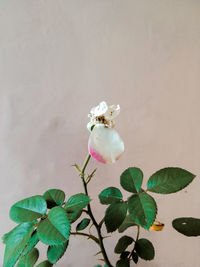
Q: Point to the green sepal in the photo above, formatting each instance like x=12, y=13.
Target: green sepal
x=115, y=215
x=83, y=224
x=187, y=226
x=145, y=249
x=128, y=222
x=30, y=259
x=123, y=243
x=54, y=197
x=110, y=195
x=131, y=179
x=55, y=229
x=28, y=209
x=77, y=202
x=142, y=208
x=169, y=180
x=16, y=241
x=54, y=253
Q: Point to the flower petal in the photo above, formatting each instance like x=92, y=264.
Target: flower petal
x=99, y=110
x=112, y=112
x=105, y=144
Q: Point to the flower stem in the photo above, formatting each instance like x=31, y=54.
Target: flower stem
x=85, y=164
x=97, y=226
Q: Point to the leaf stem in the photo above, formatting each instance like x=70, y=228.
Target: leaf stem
x=97, y=226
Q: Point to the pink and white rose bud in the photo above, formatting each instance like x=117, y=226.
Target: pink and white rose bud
x=105, y=144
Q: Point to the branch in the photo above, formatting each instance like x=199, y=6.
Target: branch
x=94, y=238
x=91, y=214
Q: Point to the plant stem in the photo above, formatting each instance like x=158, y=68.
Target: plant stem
x=86, y=235
x=138, y=233
x=137, y=237
x=97, y=226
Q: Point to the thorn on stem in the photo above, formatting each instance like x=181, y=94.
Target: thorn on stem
x=99, y=252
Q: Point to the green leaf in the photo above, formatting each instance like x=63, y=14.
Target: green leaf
x=128, y=222
x=123, y=263
x=169, y=180
x=123, y=243
x=142, y=208
x=54, y=197
x=131, y=179
x=187, y=226
x=55, y=229
x=31, y=243
x=16, y=242
x=124, y=254
x=54, y=253
x=134, y=256
x=45, y=264
x=6, y=236
x=30, y=259
x=83, y=224
x=145, y=249
x=77, y=202
x=115, y=215
x=73, y=215
x=110, y=195
x=28, y=209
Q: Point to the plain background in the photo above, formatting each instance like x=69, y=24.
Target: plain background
x=60, y=58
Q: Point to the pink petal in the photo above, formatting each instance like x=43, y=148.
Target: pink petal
x=105, y=144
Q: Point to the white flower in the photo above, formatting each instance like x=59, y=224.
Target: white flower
x=105, y=144
x=103, y=114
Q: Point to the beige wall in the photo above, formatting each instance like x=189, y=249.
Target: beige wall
x=57, y=60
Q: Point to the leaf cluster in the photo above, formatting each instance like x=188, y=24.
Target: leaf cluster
x=48, y=218
x=45, y=219
x=140, y=208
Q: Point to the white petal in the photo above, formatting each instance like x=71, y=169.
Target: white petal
x=105, y=144
x=99, y=110
x=112, y=112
